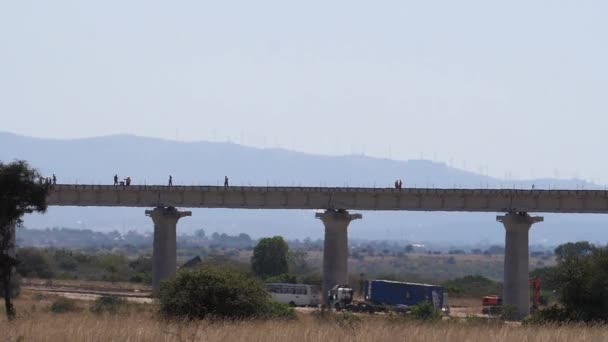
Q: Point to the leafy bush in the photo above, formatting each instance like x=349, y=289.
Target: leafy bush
x=63, y=305
x=279, y=311
x=210, y=292
x=508, y=313
x=552, y=315
x=425, y=311
x=109, y=304
x=580, y=279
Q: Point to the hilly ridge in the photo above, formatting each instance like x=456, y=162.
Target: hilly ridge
x=150, y=161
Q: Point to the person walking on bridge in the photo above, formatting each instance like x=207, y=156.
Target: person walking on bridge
x=54, y=179
x=170, y=180
x=225, y=181
x=115, y=179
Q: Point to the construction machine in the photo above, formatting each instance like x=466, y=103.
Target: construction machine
x=492, y=304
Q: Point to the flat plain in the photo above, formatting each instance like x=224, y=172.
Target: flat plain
x=140, y=322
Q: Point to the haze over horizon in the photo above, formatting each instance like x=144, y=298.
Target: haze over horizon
x=151, y=160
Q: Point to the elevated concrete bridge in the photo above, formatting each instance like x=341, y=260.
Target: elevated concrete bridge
x=336, y=201
x=257, y=197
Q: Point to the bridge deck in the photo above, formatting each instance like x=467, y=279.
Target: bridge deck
x=261, y=197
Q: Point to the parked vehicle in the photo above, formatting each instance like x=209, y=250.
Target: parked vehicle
x=386, y=295
x=492, y=305
x=393, y=293
x=340, y=297
x=295, y=294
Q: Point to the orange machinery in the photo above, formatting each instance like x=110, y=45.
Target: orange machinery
x=491, y=304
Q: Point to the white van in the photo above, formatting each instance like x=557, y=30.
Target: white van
x=295, y=294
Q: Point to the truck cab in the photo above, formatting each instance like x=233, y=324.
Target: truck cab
x=340, y=296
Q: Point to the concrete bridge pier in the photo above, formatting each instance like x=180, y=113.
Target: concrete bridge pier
x=164, y=251
x=516, y=288
x=335, y=248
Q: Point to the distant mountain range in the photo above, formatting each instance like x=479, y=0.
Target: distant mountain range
x=151, y=161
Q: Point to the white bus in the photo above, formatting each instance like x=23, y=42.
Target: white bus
x=295, y=294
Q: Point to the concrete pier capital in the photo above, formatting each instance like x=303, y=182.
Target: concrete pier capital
x=339, y=215
x=519, y=220
x=516, y=288
x=167, y=213
x=164, y=252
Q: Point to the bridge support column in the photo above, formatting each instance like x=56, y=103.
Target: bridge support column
x=516, y=288
x=164, y=252
x=335, y=248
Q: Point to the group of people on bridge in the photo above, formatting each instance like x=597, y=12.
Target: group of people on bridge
x=127, y=181
x=48, y=180
x=398, y=184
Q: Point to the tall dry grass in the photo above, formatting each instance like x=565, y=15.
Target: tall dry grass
x=139, y=323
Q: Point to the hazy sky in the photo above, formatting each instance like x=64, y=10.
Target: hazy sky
x=513, y=87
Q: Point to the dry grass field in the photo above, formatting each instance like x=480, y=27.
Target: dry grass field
x=140, y=323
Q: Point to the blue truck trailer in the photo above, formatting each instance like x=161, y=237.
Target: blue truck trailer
x=401, y=294
x=386, y=295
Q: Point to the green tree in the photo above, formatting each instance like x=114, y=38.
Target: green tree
x=580, y=280
x=21, y=192
x=200, y=233
x=270, y=257
x=582, y=284
x=571, y=250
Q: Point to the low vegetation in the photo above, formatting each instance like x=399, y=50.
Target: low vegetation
x=63, y=305
x=66, y=264
x=209, y=292
x=425, y=311
x=472, y=286
x=40, y=325
x=108, y=304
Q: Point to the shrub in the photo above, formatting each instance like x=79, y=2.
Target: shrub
x=109, y=304
x=279, y=311
x=63, y=305
x=425, y=311
x=508, y=313
x=552, y=315
x=207, y=291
